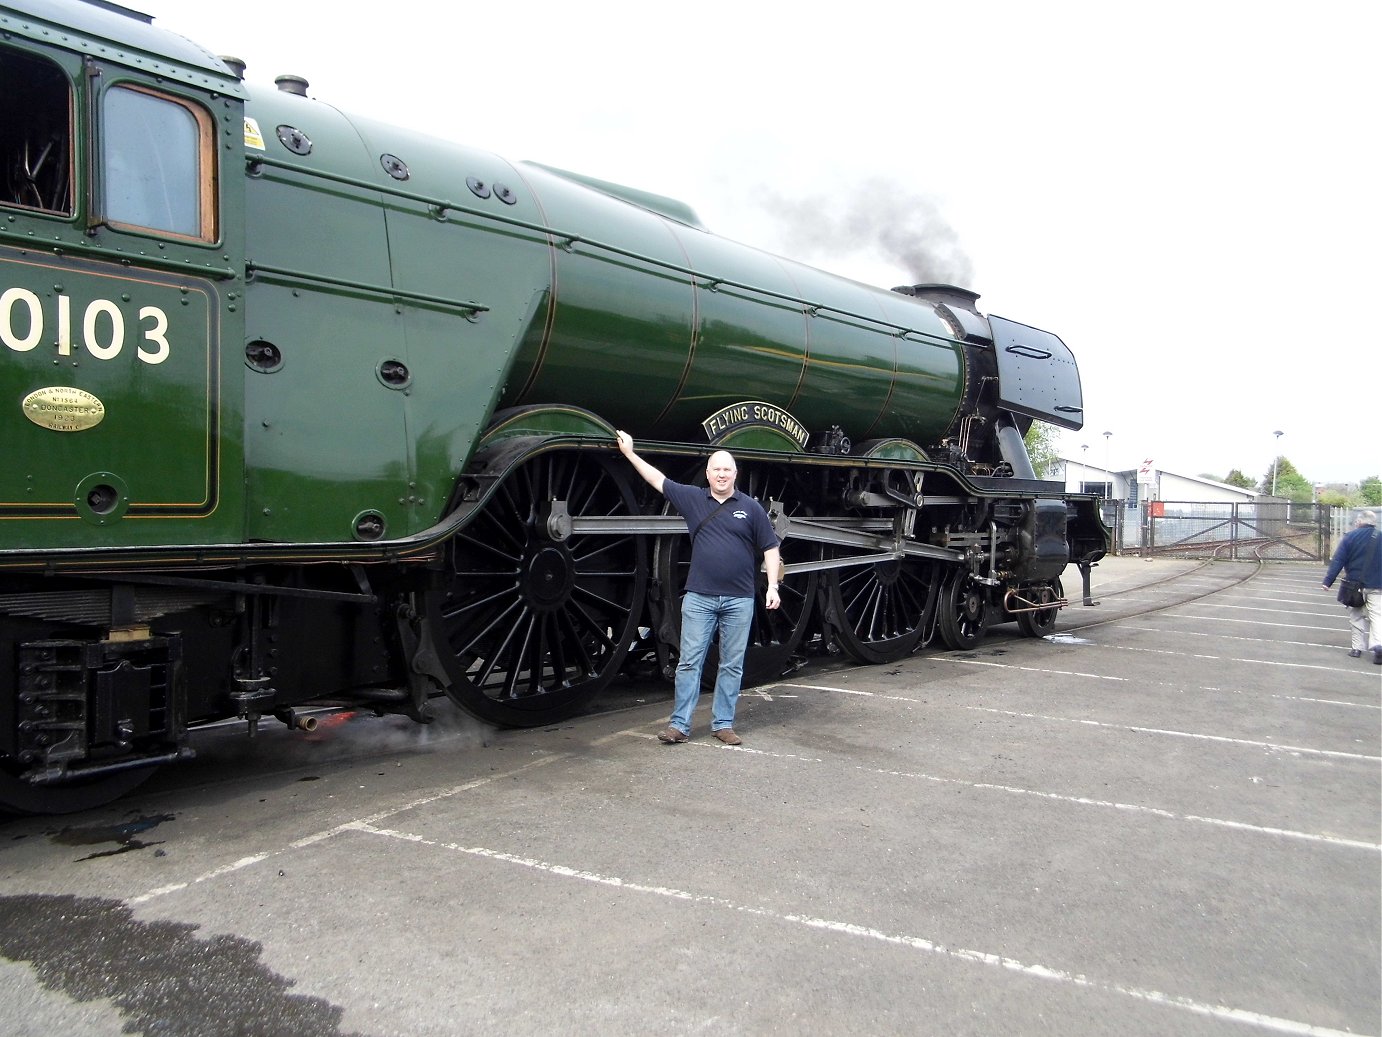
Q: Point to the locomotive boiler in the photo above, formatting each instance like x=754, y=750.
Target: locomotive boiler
x=306, y=409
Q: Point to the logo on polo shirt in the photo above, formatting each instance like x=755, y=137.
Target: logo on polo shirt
x=741, y=514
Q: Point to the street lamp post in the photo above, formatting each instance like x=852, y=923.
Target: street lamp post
x=1107, y=474
x=1084, y=466
x=1276, y=461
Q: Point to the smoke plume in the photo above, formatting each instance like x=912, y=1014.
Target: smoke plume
x=878, y=220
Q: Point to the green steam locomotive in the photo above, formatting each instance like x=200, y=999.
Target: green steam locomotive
x=304, y=409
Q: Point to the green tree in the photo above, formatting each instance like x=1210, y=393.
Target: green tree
x=1290, y=484
x=1041, y=447
x=1237, y=478
x=1370, y=489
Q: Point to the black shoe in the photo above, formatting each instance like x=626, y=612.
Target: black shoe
x=1355, y=653
x=1377, y=656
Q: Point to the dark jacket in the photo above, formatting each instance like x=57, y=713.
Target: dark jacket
x=1352, y=557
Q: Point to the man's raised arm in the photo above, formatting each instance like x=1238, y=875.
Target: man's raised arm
x=651, y=475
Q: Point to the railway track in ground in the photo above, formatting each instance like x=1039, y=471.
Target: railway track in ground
x=1258, y=564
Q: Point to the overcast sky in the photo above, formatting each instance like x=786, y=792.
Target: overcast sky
x=1185, y=192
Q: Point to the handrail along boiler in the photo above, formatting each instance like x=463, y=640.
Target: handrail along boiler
x=301, y=408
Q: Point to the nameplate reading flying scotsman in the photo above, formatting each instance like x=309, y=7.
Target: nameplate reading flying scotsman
x=753, y=413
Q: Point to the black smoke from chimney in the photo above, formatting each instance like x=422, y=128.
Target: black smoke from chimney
x=875, y=218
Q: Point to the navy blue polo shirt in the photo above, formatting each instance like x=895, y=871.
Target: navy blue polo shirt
x=728, y=551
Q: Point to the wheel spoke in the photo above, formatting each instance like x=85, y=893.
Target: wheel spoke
x=577, y=643
x=486, y=547
x=594, y=630
x=499, y=653
x=466, y=648
x=590, y=595
x=456, y=614
x=600, y=546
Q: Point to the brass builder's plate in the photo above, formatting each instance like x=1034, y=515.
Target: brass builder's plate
x=63, y=409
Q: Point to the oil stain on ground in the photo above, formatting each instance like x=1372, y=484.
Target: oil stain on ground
x=164, y=980
x=123, y=833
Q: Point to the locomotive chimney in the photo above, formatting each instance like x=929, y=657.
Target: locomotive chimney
x=236, y=65
x=949, y=294
x=292, y=85
x=956, y=307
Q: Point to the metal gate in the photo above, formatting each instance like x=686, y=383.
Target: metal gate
x=1275, y=530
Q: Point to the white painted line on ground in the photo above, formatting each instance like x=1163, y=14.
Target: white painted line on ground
x=1254, y=622
x=962, y=661
x=1170, y=815
x=317, y=837
x=1258, y=608
x=1145, y=683
x=1274, y=746
x=694, y=744
x=1232, y=637
x=1353, y=668
x=225, y=869
x=918, y=943
x=1288, y=601
x=1233, y=659
x=1170, y=733
x=1084, y=801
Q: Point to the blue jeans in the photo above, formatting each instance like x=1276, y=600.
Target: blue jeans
x=701, y=615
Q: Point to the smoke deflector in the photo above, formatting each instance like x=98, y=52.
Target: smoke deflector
x=1037, y=375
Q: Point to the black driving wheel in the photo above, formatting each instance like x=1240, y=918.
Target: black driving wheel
x=964, y=612
x=1043, y=621
x=878, y=610
x=529, y=627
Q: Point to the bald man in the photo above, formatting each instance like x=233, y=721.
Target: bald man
x=729, y=531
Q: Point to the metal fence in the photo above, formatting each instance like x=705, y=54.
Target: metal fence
x=1276, y=529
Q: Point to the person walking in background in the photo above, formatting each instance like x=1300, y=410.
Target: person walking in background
x=1358, y=557
x=729, y=530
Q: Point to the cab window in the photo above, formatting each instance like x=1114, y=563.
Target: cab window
x=35, y=134
x=157, y=163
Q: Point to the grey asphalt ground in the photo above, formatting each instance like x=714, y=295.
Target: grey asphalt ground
x=1151, y=822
